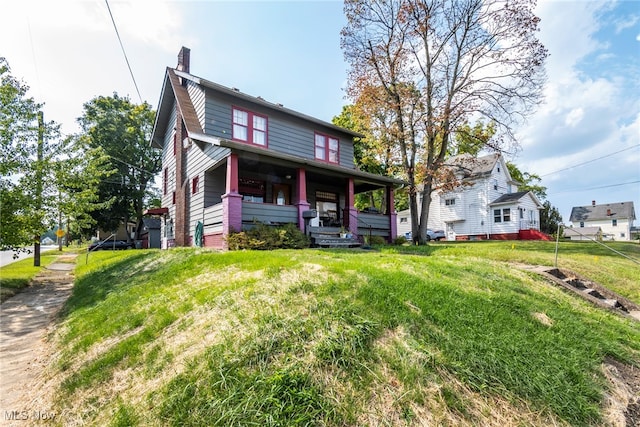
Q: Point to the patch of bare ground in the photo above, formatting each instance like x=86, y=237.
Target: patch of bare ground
x=25, y=351
x=622, y=401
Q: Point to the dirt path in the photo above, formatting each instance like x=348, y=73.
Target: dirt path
x=24, y=322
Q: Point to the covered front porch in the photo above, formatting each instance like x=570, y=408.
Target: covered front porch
x=248, y=188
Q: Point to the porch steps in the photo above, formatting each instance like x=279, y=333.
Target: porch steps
x=336, y=242
x=533, y=235
x=329, y=237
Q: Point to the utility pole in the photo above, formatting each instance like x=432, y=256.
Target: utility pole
x=59, y=233
x=38, y=179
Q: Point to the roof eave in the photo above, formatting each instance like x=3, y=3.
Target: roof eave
x=273, y=106
x=221, y=142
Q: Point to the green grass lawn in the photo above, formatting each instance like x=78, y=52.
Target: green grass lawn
x=17, y=275
x=448, y=334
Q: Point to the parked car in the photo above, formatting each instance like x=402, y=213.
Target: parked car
x=110, y=244
x=431, y=235
x=435, y=235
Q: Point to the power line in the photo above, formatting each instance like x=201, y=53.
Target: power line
x=591, y=161
x=132, y=166
x=596, y=188
x=123, y=51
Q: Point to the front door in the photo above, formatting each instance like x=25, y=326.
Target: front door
x=451, y=232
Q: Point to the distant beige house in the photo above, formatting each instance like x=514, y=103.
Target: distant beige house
x=615, y=220
x=584, y=233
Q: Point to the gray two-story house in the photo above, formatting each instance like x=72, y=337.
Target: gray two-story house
x=230, y=159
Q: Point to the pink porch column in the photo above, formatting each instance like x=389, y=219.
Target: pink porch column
x=302, y=203
x=393, y=216
x=351, y=220
x=232, y=200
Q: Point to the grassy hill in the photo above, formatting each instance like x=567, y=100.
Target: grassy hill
x=445, y=334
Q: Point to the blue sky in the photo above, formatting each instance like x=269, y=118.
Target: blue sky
x=289, y=52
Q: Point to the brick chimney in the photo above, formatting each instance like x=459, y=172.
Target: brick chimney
x=184, y=59
x=182, y=193
x=593, y=203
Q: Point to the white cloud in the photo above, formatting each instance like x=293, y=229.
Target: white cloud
x=152, y=22
x=626, y=22
x=574, y=117
x=588, y=112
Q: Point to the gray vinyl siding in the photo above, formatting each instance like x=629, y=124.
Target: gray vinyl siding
x=214, y=186
x=376, y=224
x=286, y=134
x=212, y=219
x=201, y=157
x=263, y=212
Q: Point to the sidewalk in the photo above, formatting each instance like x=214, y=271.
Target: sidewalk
x=24, y=352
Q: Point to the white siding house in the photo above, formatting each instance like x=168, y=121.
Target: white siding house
x=485, y=205
x=615, y=220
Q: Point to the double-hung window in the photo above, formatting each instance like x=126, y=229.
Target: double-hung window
x=327, y=148
x=249, y=127
x=502, y=215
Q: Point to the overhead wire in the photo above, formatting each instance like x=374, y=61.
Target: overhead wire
x=591, y=161
x=115, y=27
x=596, y=188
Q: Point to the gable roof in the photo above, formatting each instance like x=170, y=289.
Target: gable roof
x=514, y=197
x=173, y=89
x=477, y=167
x=621, y=210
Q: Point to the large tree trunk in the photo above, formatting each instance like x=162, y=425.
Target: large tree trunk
x=424, y=213
x=413, y=208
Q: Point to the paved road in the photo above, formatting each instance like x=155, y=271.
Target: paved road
x=6, y=257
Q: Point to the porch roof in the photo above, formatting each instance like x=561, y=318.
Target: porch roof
x=363, y=179
x=510, y=198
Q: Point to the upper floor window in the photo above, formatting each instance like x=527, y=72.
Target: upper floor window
x=614, y=222
x=249, y=127
x=404, y=219
x=327, y=148
x=450, y=202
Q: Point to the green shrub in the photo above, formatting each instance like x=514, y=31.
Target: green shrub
x=400, y=240
x=377, y=240
x=267, y=237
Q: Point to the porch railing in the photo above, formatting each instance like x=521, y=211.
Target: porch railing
x=371, y=224
x=212, y=219
x=268, y=213
x=526, y=224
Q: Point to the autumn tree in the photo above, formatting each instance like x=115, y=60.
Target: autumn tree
x=472, y=140
x=372, y=152
x=121, y=129
x=434, y=65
